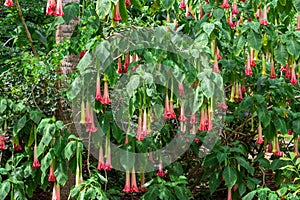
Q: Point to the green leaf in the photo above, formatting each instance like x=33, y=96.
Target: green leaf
x=208, y=87
x=242, y=161
x=230, y=176
x=198, y=100
x=167, y=4
x=48, y=133
x=103, y=8
x=239, y=45
x=218, y=13
x=117, y=133
x=249, y=196
x=296, y=126
x=208, y=27
x=151, y=194
x=123, y=11
x=254, y=40
x=3, y=105
x=263, y=115
x=127, y=160
x=221, y=157
x=272, y=196
x=281, y=54
x=280, y=124
x=70, y=149
x=60, y=125
x=71, y=10
x=19, y=125
x=133, y=84
x=215, y=181
x=297, y=5
x=45, y=163
x=36, y=116
x=255, y=26
x=293, y=48
x=61, y=173
x=5, y=188
x=180, y=192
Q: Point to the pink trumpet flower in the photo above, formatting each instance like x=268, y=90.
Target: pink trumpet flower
x=59, y=9
x=119, y=70
x=127, y=188
x=9, y=3
x=117, y=16
x=229, y=194
x=293, y=80
x=105, y=100
x=52, y=177
x=101, y=164
x=51, y=7
x=248, y=70
x=272, y=70
x=108, y=165
x=145, y=127
x=182, y=116
x=193, y=119
x=182, y=4
x=127, y=3
x=235, y=9
x=36, y=163
x=260, y=139
x=298, y=22
x=139, y=135
x=160, y=172
x=98, y=89
x=225, y=4
x=2, y=142
x=134, y=187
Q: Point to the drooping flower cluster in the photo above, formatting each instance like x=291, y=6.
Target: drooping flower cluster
x=54, y=8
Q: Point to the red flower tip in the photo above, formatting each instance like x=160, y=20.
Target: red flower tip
x=139, y=137
x=134, y=189
x=196, y=140
x=290, y=132
x=160, y=173
x=59, y=9
x=18, y=147
x=278, y=153
x=235, y=9
x=9, y=3
x=193, y=119
x=52, y=178
x=51, y=6
x=36, y=163
x=117, y=16
x=182, y=4
x=225, y=4
x=127, y=3
x=143, y=189
x=223, y=106
x=108, y=167
x=259, y=141
x=82, y=53
x=127, y=189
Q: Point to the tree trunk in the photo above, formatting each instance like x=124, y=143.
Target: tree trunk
x=68, y=66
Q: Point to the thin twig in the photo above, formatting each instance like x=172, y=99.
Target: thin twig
x=26, y=29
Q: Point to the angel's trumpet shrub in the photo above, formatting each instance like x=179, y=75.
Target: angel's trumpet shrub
x=182, y=4
x=260, y=139
x=56, y=192
x=145, y=124
x=167, y=112
x=126, y=63
x=127, y=188
x=252, y=59
x=193, y=119
x=101, y=164
x=264, y=66
x=216, y=67
x=51, y=177
x=9, y=3
x=277, y=148
x=105, y=99
x=293, y=80
x=225, y=4
x=117, y=16
x=51, y=7
x=82, y=113
x=59, y=9
x=133, y=187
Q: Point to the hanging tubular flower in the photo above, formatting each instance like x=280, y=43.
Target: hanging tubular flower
x=201, y=13
x=182, y=117
x=167, y=113
x=181, y=89
x=108, y=165
x=9, y=3
x=293, y=80
x=56, y=192
x=98, y=96
x=117, y=16
x=133, y=187
x=252, y=60
x=229, y=195
x=277, y=148
x=119, y=70
x=142, y=189
x=298, y=22
x=36, y=163
x=248, y=70
x=264, y=17
x=230, y=22
x=127, y=3
x=272, y=69
x=235, y=9
x=105, y=99
x=145, y=124
x=160, y=172
x=82, y=113
x=296, y=141
x=182, y=4
x=101, y=164
x=193, y=119
x=225, y=4
x=139, y=135
x=52, y=177
x=216, y=66
x=51, y=7
x=260, y=139
x=2, y=142
x=16, y=145
x=127, y=188
x=59, y=8
x=126, y=63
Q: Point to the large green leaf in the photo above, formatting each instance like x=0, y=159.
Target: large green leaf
x=3, y=105
x=263, y=115
x=281, y=54
x=254, y=40
x=103, y=8
x=249, y=196
x=198, y=100
x=297, y=5
x=293, y=48
x=239, y=45
x=218, y=13
x=296, y=126
x=133, y=84
x=48, y=133
x=280, y=124
x=230, y=176
x=244, y=163
x=70, y=149
x=5, y=188
x=123, y=11
x=167, y=4
x=208, y=27
x=215, y=181
x=19, y=125
x=36, y=116
x=71, y=10
x=151, y=194
x=61, y=173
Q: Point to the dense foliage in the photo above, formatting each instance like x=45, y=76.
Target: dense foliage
x=213, y=82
